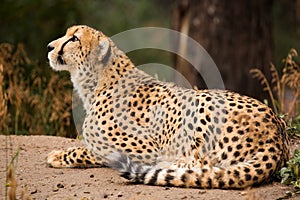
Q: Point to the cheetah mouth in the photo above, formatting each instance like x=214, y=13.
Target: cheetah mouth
x=60, y=60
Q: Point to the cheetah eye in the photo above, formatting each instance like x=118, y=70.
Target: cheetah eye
x=74, y=39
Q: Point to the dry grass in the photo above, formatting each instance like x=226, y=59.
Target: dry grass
x=284, y=87
x=11, y=181
x=33, y=99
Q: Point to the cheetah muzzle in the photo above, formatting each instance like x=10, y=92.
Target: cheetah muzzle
x=159, y=134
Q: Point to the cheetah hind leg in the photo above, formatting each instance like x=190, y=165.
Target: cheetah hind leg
x=73, y=157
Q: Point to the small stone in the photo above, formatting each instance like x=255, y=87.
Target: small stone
x=33, y=192
x=60, y=185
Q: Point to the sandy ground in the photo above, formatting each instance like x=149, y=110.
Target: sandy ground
x=42, y=182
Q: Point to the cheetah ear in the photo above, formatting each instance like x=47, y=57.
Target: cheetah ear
x=104, y=50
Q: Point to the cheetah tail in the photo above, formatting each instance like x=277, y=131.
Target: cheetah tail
x=214, y=177
x=157, y=174
x=130, y=170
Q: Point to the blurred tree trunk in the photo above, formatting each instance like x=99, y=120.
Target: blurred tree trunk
x=297, y=11
x=236, y=34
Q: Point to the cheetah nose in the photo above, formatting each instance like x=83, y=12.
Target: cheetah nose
x=50, y=48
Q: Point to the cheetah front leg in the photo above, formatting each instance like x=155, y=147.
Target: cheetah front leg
x=73, y=157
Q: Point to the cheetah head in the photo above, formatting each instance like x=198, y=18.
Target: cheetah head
x=80, y=46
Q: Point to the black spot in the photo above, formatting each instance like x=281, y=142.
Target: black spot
x=203, y=121
x=272, y=150
x=230, y=182
x=188, y=112
x=206, y=137
x=208, y=99
x=259, y=171
x=209, y=183
x=211, y=128
x=267, y=116
x=233, y=162
x=246, y=169
x=269, y=165
x=183, y=178
x=211, y=108
x=74, y=154
x=221, y=101
x=198, y=182
x=224, y=111
x=221, y=184
x=224, y=156
x=128, y=150
x=240, y=132
x=236, y=153
x=88, y=162
x=241, y=182
x=225, y=139
x=133, y=144
x=221, y=145
x=229, y=129
x=190, y=126
x=265, y=158
x=234, y=139
x=274, y=158
x=216, y=120
x=123, y=145
x=256, y=165
x=207, y=118
x=236, y=173
x=249, y=140
x=232, y=104
x=248, y=177
x=240, y=107
x=168, y=179
x=198, y=129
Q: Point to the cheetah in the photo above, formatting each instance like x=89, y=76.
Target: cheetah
x=157, y=133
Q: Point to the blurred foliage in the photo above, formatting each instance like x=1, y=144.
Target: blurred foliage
x=33, y=98
x=36, y=100
x=291, y=173
x=285, y=85
x=32, y=101
x=286, y=28
x=36, y=22
x=284, y=90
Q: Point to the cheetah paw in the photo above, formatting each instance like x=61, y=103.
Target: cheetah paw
x=55, y=159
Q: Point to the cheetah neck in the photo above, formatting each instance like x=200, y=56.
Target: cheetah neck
x=84, y=83
x=99, y=76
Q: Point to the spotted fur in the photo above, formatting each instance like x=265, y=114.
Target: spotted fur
x=159, y=134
